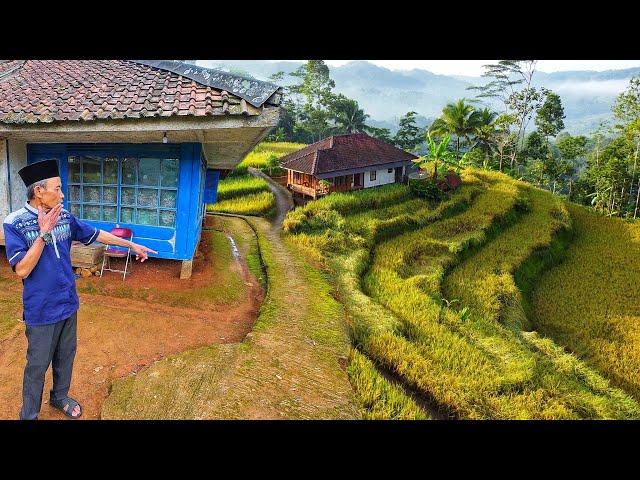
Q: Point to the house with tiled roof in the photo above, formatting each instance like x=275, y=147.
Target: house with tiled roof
x=140, y=144
x=344, y=162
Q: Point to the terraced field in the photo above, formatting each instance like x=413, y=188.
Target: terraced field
x=244, y=194
x=437, y=297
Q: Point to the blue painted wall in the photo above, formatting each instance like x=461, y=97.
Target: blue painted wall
x=177, y=243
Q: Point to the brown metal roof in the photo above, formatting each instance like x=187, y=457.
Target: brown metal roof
x=344, y=152
x=44, y=91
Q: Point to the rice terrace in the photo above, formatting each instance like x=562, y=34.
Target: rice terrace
x=481, y=265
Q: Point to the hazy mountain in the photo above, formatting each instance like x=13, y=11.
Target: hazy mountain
x=386, y=95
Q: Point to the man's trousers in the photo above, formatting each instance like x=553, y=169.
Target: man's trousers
x=54, y=343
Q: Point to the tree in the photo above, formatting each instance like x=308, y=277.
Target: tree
x=485, y=135
x=347, y=115
x=571, y=149
x=511, y=82
x=536, y=155
x=460, y=119
x=316, y=84
x=436, y=153
x=505, y=139
x=383, y=134
x=549, y=117
x=627, y=106
x=315, y=91
x=408, y=135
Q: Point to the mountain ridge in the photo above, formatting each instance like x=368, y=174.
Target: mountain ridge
x=386, y=95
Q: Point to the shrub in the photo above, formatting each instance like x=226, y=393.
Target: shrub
x=426, y=188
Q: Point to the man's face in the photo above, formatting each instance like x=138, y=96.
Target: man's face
x=52, y=195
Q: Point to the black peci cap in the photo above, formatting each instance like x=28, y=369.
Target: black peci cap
x=39, y=171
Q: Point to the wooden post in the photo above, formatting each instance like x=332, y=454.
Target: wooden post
x=185, y=271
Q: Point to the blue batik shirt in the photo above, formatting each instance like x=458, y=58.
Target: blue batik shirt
x=49, y=292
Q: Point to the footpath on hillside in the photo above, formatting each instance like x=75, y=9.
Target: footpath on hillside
x=292, y=365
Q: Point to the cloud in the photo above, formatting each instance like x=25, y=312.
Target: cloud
x=591, y=87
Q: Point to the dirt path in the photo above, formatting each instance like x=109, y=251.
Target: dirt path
x=292, y=365
x=284, y=200
x=118, y=336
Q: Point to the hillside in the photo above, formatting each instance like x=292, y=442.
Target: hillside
x=444, y=301
x=386, y=94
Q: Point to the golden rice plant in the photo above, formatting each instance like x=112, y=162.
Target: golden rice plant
x=232, y=187
x=257, y=158
x=486, y=360
x=591, y=301
x=485, y=284
x=260, y=204
x=464, y=360
x=380, y=399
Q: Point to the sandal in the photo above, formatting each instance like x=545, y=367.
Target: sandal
x=68, y=402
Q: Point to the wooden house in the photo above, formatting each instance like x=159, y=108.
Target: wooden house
x=344, y=162
x=140, y=144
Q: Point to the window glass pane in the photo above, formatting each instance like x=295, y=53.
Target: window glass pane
x=74, y=170
x=147, y=197
x=168, y=198
x=91, y=194
x=91, y=169
x=110, y=214
x=109, y=194
x=128, y=196
x=147, y=217
x=74, y=208
x=167, y=218
x=149, y=171
x=91, y=212
x=170, y=172
x=111, y=171
x=127, y=214
x=74, y=193
x=129, y=171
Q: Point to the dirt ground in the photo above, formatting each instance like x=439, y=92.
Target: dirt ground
x=291, y=366
x=126, y=326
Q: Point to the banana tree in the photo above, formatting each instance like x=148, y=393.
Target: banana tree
x=437, y=153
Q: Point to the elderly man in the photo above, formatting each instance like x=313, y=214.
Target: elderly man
x=38, y=244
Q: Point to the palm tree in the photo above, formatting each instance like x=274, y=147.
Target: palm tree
x=437, y=153
x=485, y=130
x=348, y=115
x=460, y=119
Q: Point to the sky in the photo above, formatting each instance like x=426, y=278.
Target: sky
x=474, y=67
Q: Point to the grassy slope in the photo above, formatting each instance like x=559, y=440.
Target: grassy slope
x=591, y=301
x=502, y=378
x=287, y=368
x=244, y=194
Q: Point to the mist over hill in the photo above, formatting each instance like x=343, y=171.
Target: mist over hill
x=386, y=95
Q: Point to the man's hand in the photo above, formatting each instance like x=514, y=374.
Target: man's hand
x=141, y=251
x=48, y=221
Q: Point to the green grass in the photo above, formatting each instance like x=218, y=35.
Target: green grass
x=475, y=363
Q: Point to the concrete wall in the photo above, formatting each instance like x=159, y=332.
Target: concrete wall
x=17, y=160
x=382, y=178
x=5, y=206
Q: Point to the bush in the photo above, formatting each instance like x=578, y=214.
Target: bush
x=425, y=188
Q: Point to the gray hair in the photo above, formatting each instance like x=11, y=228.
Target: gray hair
x=31, y=188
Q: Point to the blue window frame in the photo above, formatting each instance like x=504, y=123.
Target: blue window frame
x=139, y=190
x=171, y=175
